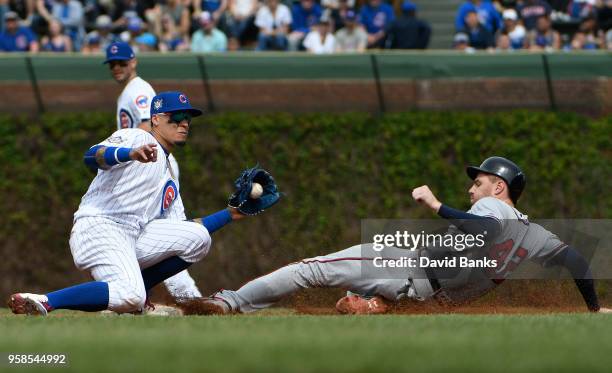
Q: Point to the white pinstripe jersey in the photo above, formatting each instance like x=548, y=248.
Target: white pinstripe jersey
x=134, y=103
x=134, y=193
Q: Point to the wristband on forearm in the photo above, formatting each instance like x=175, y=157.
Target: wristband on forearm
x=113, y=155
x=104, y=157
x=215, y=221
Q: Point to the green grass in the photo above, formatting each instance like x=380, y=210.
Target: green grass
x=281, y=342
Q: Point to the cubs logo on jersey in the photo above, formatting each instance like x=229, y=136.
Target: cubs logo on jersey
x=125, y=119
x=169, y=194
x=142, y=101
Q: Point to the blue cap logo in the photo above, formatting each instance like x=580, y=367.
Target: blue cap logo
x=119, y=51
x=158, y=104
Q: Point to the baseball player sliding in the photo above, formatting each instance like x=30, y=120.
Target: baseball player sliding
x=133, y=111
x=127, y=241
x=497, y=185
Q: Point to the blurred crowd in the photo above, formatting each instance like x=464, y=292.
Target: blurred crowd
x=315, y=26
x=534, y=25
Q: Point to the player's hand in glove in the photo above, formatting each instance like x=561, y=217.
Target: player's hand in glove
x=145, y=153
x=241, y=199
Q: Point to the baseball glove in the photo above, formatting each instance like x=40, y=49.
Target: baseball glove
x=241, y=199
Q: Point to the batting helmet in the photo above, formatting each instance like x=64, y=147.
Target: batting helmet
x=504, y=168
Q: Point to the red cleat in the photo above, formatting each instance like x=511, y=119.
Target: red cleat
x=29, y=304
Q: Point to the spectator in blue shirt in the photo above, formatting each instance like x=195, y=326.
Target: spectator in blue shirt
x=513, y=29
x=16, y=38
x=488, y=16
x=376, y=16
x=407, y=31
x=543, y=37
x=305, y=14
x=479, y=36
x=214, y=7
x=531, y=10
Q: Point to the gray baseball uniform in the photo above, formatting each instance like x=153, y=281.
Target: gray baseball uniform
x=518, y=240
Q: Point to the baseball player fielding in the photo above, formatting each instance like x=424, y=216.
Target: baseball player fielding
x=129, y=242
x=134, y=111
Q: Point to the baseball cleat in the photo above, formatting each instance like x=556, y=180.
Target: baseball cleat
x=29, y=304
x=204, y=306
x=357, y=305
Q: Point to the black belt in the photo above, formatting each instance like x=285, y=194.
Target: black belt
x=431, y=276
x=439, y=295
x=435, y=284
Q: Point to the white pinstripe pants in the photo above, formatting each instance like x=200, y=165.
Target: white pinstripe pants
x=115, y=253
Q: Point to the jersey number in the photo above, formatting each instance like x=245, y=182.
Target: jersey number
x=505, y=266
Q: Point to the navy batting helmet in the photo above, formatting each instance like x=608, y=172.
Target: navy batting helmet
x=504, y=168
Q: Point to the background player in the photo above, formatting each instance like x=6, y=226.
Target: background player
x=134, y=102
x=118, y=233
x=498, y=183
x=133, y=111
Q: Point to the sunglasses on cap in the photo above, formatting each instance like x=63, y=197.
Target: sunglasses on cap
x=179, y=116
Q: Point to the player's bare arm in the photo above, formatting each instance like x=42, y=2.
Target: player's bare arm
x=468, y=223
x=425, y=197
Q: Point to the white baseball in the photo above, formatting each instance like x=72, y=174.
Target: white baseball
x=256, y=191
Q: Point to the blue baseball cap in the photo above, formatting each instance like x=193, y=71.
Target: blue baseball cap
x=408, y=6
x=350, y=15
x=134, y=24
x=147, y=38
x=167, y=102
x=92, y=38
x=119, y=51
